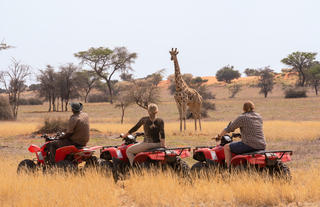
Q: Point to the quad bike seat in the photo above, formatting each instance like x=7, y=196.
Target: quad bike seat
x=254, y=152
x=155, y=149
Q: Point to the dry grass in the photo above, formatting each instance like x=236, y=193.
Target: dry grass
x=274, y=130
x=162, y=189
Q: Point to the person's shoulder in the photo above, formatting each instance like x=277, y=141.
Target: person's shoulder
x=159, y=120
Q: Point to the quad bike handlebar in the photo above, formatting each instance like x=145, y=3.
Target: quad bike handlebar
x=53, y=138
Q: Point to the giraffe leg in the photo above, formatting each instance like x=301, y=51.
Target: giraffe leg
x=200, y=123
x=184, y=116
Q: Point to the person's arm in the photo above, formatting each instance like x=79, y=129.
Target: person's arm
x=237, y=123
x=71, y=125
x=162, y=135
x=135, y=128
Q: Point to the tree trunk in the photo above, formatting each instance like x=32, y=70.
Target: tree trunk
x=49, y=99
x=122, y=114
x=110, y=90
x=66, y=106
x=265, y=94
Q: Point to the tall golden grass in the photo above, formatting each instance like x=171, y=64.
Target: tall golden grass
x=274, y=130
x=162, y=189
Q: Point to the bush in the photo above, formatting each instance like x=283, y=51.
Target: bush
x=5, y=109
x=30, y=101
x=295, y=93
x=97, y=98
x=53, y=126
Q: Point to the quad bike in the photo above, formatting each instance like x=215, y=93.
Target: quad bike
x=151, y=159
x=211, y=158
x=66, y=158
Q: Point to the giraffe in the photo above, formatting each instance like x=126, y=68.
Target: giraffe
x=185, y=96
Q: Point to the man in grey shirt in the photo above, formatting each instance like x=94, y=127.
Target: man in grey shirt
x=252, y=138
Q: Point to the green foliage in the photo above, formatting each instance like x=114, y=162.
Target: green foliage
x=266, y=81
x=5, y=109
x=251, y=72
x=298, y=92
x=314, y=77
x=300, y=62
x=227, y=74
x=106, y=62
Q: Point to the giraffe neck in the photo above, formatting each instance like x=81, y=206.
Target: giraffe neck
x=178, y=77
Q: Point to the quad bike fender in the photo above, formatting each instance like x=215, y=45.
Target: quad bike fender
x=34, y=148
x=142, y=156
x=184, y=153
x=204, y=154
x=253, y=160
x=114, y=152
x=62, y=152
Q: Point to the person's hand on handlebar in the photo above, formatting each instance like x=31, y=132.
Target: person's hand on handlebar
x=217, y=137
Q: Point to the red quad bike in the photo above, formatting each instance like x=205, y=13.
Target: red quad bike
x=212, y=158
x=67, y=158
x=157, y=157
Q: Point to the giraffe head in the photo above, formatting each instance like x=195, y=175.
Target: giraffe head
x=173, y=53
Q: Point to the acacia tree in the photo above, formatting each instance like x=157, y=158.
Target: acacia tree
x=48, y=79
x=144, y=92
x=85, y=81
x=106, y=62
x=14, y=83
x=67, y=84
x=300, y=62
x=227, y=74
x=314, y=77
x=266, y=81
x=123, y=99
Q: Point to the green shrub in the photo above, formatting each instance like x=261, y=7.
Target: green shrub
x=53, y=126
x=295, y=93
x=5, y=109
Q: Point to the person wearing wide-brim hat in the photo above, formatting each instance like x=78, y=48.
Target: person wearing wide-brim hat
x=154, y=135
x=77, y=133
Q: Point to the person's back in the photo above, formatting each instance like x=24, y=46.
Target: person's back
x=79, y=127
x=251, y=128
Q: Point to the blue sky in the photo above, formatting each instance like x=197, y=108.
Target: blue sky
x=209, y=34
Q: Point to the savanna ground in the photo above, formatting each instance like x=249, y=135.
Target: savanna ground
x=288, y=124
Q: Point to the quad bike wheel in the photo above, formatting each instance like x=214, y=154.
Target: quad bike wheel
x=280, y=170
x=99, y=164
x=199, y=169
x=181, y=167
x=26, y=166
x=66, y=166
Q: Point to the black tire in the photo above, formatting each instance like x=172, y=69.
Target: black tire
x=181, y=167
x=100, y=165
x=26, y=166
x=119, y=170
x=67, y=166
x=199, y=169
x=280, y=170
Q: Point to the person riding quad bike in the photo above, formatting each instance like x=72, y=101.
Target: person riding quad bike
x=252, y=137
x=154, y=135
x=77, y=133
